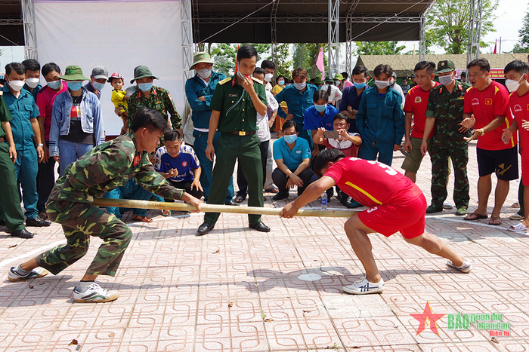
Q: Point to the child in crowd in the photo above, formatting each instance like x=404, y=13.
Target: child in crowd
x=120, y=98
x=179, y=164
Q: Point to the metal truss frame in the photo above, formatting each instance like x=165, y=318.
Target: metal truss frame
x=30, y=31
x=299, y=18
x=474, y=29
x=273, y=32
x=349, y=36
x=333, y=36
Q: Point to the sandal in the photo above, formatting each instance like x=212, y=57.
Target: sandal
x=519, y=227
x=475, y=216
x=166, y=212
x=141, y=218
x=495, y=220
x=239, y=199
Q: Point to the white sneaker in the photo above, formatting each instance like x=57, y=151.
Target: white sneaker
x=35, y=273
x=447, y=205
x=466, y=267
x=94, y=294
x=364, y=287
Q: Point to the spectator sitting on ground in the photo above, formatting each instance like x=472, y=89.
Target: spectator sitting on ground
x=292, y=156
x=348, y=143
x=179, y=164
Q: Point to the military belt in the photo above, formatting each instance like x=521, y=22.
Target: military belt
x=242, y=133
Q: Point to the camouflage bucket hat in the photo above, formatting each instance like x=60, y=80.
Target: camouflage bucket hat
x=74, y=73
x=445, y=66
x=142, y=72
x=200, y=58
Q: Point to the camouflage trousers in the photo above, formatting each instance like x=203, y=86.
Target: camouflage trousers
x=80, y=221
x=440, y=171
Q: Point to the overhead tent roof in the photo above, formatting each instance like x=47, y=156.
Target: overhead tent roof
x=305, y=21
x=298, y=21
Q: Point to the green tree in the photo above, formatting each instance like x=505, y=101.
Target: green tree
x=305, y=56
x=523, y=47
x=224, y=56
x=378, y=48
x=283, y=64
x=448, y=21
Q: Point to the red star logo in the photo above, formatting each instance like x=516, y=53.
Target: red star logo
x=427, y=316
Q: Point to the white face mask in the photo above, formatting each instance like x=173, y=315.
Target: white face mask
x=381, y=84
x=512, y=85
x=32, y=82
x=204, y=73
x=300, y=86
x=446, y=80
x=268, y=77
x=16, y=85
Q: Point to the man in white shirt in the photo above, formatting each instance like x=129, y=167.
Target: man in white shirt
x=335, y=95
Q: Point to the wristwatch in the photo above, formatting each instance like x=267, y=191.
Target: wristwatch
x=40, y=145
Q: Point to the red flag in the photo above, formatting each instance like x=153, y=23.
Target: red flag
x=495, y=45
x=319, y=63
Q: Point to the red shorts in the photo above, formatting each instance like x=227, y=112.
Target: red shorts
x=406, y=217
x=525, y=172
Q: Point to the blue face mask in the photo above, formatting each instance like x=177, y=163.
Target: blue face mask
x=145, y=87
x=55, y=84
x=320, y=108
x=75, y=86
x=98, y=86
x=281, y=83
x=291, y=139
x=359, y=85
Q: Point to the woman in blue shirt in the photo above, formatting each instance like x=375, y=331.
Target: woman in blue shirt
x=320, y=115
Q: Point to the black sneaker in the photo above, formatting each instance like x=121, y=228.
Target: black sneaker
x=280, y=196
x=433, y=209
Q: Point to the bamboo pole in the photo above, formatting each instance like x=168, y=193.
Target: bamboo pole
x=214, y=208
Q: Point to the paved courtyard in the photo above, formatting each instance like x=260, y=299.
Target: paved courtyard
x=240, y=290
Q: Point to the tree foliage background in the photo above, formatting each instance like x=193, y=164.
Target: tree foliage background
x=523, y=46
x=378, y=48
x=305, y=56
x=448, y=20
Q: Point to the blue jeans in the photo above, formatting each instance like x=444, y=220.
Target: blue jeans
x=370, y=149
x=132, y=190
x=69, y=152
x=201, y=142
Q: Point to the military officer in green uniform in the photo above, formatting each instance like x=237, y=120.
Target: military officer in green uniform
x=106, y=167
x=9, y=198
x=445, y=112
x=235, y=104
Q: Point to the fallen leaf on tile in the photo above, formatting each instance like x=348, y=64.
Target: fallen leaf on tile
x=495, y=340
x=111, y=334
x=230, y=305
x=217, y=251
x=306, y=311
x=267, y=320
x=74, y=342
x=13, y=246
x=31, y=286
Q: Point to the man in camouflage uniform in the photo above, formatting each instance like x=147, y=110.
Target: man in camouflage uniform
x=152, y=97
x=445, y=112
x=107, y=166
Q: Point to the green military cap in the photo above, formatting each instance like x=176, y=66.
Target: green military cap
x=317, y=80
x=338, y=77
x=445, y=66
x=201, y=57
x=329, y=80
x=74, y=73
x=142, y=72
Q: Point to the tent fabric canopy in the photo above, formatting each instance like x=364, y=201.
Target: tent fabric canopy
x=297, y=21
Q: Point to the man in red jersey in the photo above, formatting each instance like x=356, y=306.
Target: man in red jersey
x=416, y=106
x=516, y=75
x=395, y=204
x=489, y=102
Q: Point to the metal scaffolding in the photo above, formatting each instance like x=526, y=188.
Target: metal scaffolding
x=474, y=30
x=334, y=36
x=349, y=36
x=196, y=21
x=273, y=30
x=30, y=31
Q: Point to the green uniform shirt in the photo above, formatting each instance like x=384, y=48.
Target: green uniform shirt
x=237, y=112
x=447, y=109
x=5, y=115
x=159, y=100
x=108, y=166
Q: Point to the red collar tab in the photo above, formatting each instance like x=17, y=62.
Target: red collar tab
x=136, y=160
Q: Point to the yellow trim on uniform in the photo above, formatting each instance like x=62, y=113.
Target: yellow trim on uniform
x=512, y=138
x=364, y=192
x=225, y=80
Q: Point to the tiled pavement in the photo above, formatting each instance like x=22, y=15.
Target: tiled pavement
x=240, y=290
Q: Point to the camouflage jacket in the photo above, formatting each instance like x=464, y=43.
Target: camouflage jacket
x=447, y=109
x=159, y=100
x=108, y=166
